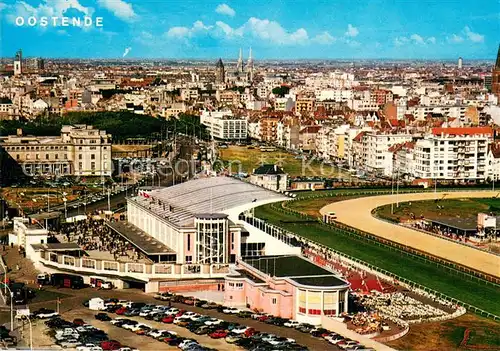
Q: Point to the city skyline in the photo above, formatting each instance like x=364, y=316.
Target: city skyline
x=275, y=30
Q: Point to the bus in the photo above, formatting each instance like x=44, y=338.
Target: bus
x=62, y=280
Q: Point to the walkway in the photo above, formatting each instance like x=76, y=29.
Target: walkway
x=357, y=213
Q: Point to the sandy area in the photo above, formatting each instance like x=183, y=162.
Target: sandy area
x=357, y=213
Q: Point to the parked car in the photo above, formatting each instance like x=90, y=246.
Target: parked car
x=110, y=345
x=44, y=313
x=218, y=334
x=231, y=310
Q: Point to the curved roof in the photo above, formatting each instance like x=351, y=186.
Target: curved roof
x=181, y=203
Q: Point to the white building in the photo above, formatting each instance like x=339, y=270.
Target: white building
x=378, y=159
x=224, y=125
x=453, y=153
x=270, y=177
x=284, y=104
x=79, y=150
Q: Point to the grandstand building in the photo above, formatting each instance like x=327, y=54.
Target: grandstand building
x=189, y=236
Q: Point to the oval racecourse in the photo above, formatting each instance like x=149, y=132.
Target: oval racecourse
x=357, y=213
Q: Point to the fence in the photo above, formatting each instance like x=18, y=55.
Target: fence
x=452, y=267
x=382, y=273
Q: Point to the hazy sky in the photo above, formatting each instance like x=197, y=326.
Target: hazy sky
x=407, y=29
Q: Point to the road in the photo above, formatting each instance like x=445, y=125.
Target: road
x=357, y=213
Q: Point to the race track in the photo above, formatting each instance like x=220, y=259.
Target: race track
x=357, y=213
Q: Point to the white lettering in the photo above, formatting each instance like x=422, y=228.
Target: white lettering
x=56, y=21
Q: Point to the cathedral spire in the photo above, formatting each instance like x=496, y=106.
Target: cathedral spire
x=497, y=65
x=239, y=66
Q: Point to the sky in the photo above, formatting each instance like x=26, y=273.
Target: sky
x=286, y=29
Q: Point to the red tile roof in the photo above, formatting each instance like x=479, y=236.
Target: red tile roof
x=359, y=137
x=463, y=131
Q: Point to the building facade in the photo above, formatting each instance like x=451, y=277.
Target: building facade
x=80, y=150
x=453, y=154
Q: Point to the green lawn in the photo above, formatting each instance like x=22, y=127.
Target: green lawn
x=484, y=296
x=456, y=208
x=250, y=159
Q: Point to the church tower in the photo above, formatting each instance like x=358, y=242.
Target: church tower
x=495, y=81
x=18, y=63
x=220, y=74
x=239, y=65
x=250, y=66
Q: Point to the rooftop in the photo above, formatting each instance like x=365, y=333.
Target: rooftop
x=139, y=238
x=181, y=203
x=296, y=269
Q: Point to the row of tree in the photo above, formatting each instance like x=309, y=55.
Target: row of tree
x=120, y=124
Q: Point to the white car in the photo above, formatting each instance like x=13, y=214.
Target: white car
x=350, y=343
x=144, y=313
x=213, y=321
x=89, y=347
x=127, y=349
x=139, y=326
x=231, y=310
x=186, y=343
x=177, y=320
x=44, y=315
x=239, y=330
x=189, y=314
x=196, y=317
x=157, y=333
x=291, y=324
x=172, y=311
x=117, y=320
x=70, y=343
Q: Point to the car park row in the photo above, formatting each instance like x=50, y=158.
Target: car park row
x=244, y=336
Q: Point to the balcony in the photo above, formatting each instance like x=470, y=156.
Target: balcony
x=141, y=271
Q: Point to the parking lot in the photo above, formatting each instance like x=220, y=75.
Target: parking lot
x=72, y=308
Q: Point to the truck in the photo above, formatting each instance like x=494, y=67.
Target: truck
x=63, y=280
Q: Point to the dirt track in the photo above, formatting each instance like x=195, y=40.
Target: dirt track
x=357, y=213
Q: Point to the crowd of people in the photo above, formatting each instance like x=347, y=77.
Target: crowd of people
x=93, y=234
x=366, y=323
x=438, y=230
x=400, y=305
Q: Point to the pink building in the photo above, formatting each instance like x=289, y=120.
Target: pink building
x=288, y=287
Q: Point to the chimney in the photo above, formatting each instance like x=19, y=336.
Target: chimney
x=19, y=132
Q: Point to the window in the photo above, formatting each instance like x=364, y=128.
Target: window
x=65, y=156
x=274, y=301
x=189, y=259
x=92, y=157
x=17, y=157
x=37, y=156
x=80, y=165
x=80, y=156
x=239, y=285
x=189, y=242
x=46, y=156
x=302, y=310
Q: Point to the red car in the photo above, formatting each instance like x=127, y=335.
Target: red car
x=110, y=345
x=249, y=332
x=78, y=321
x=168, y=319
x=180, y=313
x=218, y=334
x=263, y=318
x=121, y=311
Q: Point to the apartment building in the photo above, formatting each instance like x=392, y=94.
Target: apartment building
x=453, y=153
x=80, y=150
x=224, y=125
x=268, y=129
x=376, y=155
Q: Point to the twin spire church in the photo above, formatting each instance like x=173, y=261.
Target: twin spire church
x=242, y=74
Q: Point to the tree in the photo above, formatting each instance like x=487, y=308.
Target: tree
x=281, y=90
